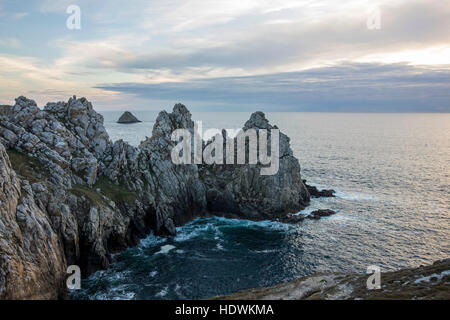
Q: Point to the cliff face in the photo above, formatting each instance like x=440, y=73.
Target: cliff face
x=72, y=196
x=242, y=191
x=31, y=263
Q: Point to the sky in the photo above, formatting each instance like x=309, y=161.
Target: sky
x=229, y=55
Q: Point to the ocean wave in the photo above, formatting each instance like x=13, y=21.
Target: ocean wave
x=200, y=226
x=163, y=292
x=153, y=273
x=266, y=251
x=355, y=195
x=151, y=240
x=264, y=224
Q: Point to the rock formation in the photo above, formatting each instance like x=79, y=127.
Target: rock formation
x=242, y=191
x=128, y=117
x=316, y=193
x=317, y=214
x=430, y=282
x=72, y=196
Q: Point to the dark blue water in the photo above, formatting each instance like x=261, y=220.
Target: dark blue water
x=392, y=177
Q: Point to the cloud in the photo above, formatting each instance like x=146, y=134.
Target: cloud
x=10, y=43
x=266, y=45
x=345, y=87
x=175, y=46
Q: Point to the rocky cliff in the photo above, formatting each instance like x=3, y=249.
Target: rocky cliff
x=72, y=196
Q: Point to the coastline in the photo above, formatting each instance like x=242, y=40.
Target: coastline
x=75, y=197
x=421, y=283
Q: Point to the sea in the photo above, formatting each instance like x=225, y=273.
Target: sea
x=391, y=174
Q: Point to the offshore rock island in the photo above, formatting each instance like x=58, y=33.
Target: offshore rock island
x=71, y=196
x=128, y=117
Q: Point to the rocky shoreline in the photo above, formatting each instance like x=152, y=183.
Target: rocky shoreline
x=421, y=283
x=71, y=196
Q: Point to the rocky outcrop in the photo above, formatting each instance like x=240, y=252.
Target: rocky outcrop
x=72, y=196
x=58, y=155
x=422, y=283
x=128, y=117
x=5, y=109
x=31, y=263
x=241, y=190
x=317, y=214
x=316, y=193
x=314, y=215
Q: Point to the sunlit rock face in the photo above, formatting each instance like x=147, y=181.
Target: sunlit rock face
x=72, y=196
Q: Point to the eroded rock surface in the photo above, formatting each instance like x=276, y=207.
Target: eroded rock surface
x=72, y=196
x=243, y=191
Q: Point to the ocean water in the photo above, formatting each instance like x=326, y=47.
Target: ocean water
x=392, y=177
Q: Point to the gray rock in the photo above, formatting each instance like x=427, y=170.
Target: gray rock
x=243, y=191
x=31, y=263
x=75, y=197
x=316, y=193
x=317, y=214
x=127, y=117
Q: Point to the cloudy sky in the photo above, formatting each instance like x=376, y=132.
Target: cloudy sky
x=236, y=55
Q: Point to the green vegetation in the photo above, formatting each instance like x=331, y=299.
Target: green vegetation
x=32, y=170
x=107, y=188
x=27, y=167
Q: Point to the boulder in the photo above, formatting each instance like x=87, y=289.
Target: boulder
x=317, y=214
x=316, y=193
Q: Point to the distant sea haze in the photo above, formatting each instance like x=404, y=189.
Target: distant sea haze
x=345, y=87
x=392, y=177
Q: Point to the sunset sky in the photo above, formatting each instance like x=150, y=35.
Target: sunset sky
x=292, y=55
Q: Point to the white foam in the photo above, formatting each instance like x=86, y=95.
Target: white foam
x=265, y=251
x=153, y=273
x=191, y=230
x=266, y=224
x=434, y=275
x=177, y=290
x=163, y=292
x=165, y=249
x=151, y=240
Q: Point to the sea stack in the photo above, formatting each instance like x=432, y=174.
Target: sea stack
x=128, y=117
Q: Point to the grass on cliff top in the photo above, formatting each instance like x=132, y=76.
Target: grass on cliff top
x=107, y=188
x=27, y=167
x=32, y=170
